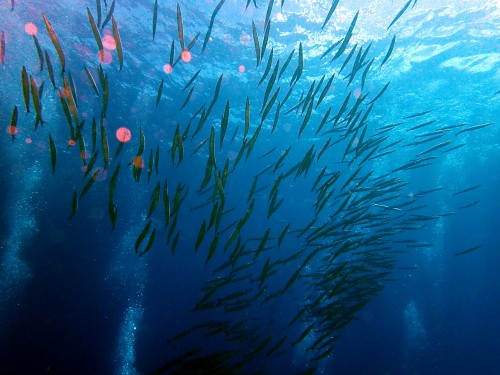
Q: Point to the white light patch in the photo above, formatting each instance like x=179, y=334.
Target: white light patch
x=473, y=64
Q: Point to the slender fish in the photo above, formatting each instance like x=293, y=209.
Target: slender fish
x=118, y=42
x=188, y=96
x=160, y=90
x=91, y=80
x=109, y=15
x=469, y=250
x=2, y=48
x=212, y=19
x=180, y=28
x=155, y=18
x=388, y=54
x=191, y=80
x=330, y=12
x=99, y=12
x=36, y=102
x=256, y=43
x=347, y=37
x=224, y=123
x=39, y=52
x=474, y=128
x=95, y=30
x=467, y=190
x=268, y=67
x=399, y=14
x=13, y=123
x=26, y=88
x=330, y=49
x=74, y=205
x=52, y=153
x=50, y=70
x=287, y=61
x=56, y=43
x=416, y=115
x=265, y=39
x=325, y=90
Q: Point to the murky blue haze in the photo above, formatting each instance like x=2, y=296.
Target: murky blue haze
x=368, y=283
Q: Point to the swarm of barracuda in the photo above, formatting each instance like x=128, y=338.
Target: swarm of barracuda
x=340, y=259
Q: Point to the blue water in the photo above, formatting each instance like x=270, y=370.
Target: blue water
x=75, y=298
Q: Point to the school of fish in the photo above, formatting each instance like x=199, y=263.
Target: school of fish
x=339, y=250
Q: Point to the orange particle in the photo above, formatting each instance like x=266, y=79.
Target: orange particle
x=71, y=142
x=186, y=56
x=123, y=134
x=28, y=141
x=138, y=162
x=11, y=130
x=104, y=57
x=357, y=93
x=241, y=68
x=109, y=43
x=31, y=28
x=167, y=68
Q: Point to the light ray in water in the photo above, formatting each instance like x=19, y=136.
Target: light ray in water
x=14, y=271
x=128, y=276
x=125, y=350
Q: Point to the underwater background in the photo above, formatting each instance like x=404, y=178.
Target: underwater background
x=308, y=187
